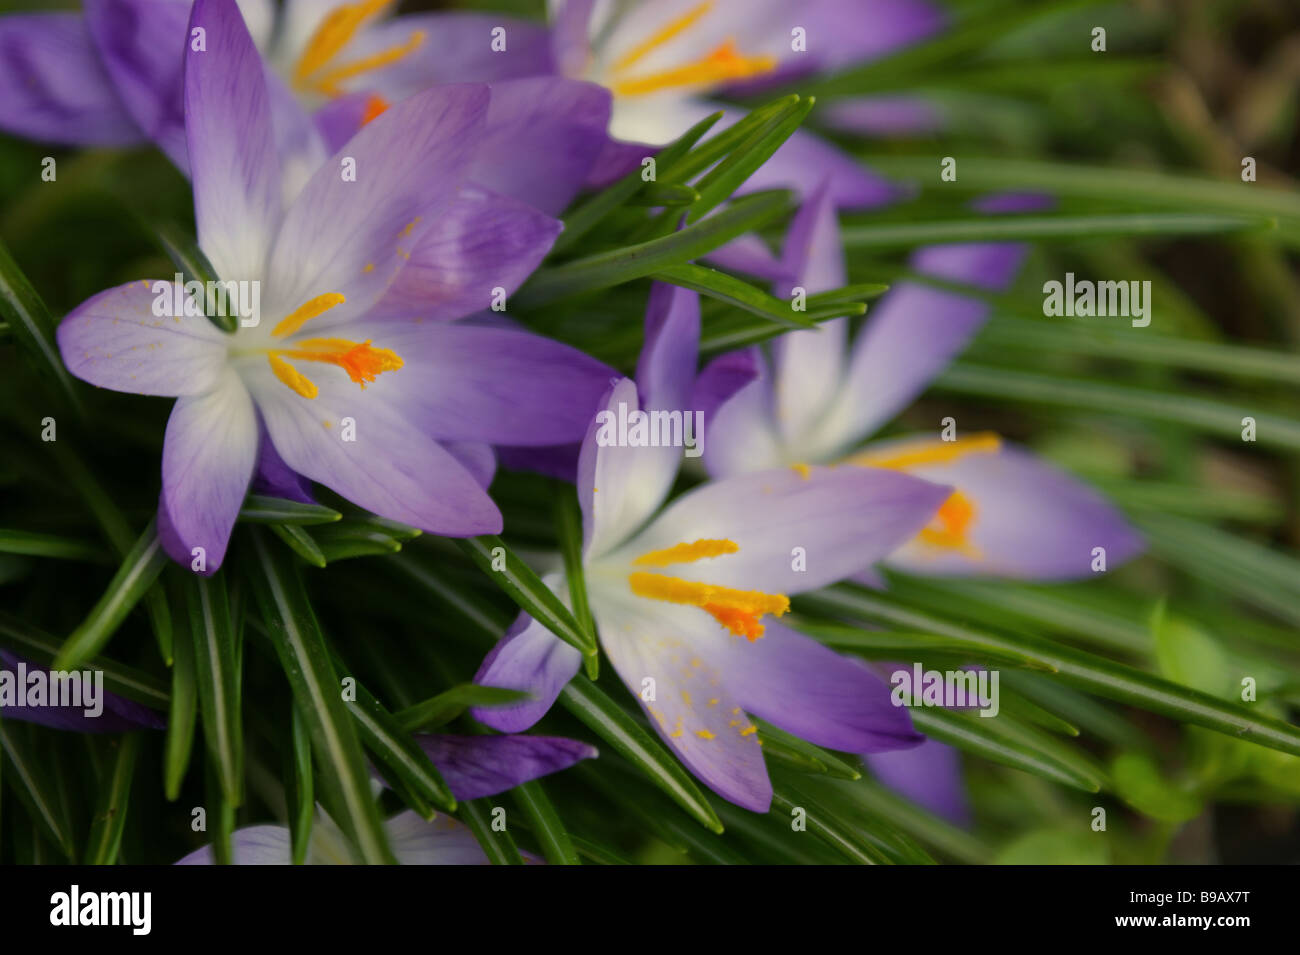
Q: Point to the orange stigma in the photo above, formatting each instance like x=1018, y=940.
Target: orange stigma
x=951, y=525
x=362, y=362
x=739, y=611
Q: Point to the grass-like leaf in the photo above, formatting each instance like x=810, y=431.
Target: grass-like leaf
x=219, y=680
x=106, y=827
x=32, y=327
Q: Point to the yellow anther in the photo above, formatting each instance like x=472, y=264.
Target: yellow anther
x=335, y=31
x=737, y=610
x=663, y=35
x=296, y=381
x=328, y=83
x=921, y=453
x=723, y=65
x=687, y=553
x=305, y=312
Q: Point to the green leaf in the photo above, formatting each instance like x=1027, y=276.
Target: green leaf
x=726, y=177
x=926, y=827
x=637, y=261
x=603, y=717
x=818, y=759
x=219, y=681
x=1083, y=670
x=106, y=827
x=1185, y=410
x=301, y=543
x=670, y=194
x=278, y=510
x=400, y=759
x=181, y=717
x=221, y=817
x=298, y=794
x=294, y=632
x=732, y=291
x=139, y=571
x=35, y=544
x=448, y=705
x=33, y=327
x=791, y=804
x=590, y=213
x=569, y=534
x=195, y=267
x=1003, y=742
x=679, y=168
x=546, y=824
x=1138, y=783
x=907, y=235
x=30, y=777
x=733, y=330
x=1078, y=845
x=517, y=580
x=499, y=847
x=23, y=638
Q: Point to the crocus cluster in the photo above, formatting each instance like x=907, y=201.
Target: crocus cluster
x=383, y=181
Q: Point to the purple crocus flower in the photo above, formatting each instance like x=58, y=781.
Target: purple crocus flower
x=1012, y=514
x=472, y=766
x=357, y=378
x=116, y=714
x=686, y=596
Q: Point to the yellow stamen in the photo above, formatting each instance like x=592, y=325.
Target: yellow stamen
x=333, y=33
x=663, y=35
x=920, y=453
x=737, y=610
x=951, y=525
x=305, y=312
x=296, y=381
x=328, y=84
x=687, y=553
x=724, y=64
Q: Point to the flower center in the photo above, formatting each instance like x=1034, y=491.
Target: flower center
x=361, y=362
x=737, y=610
x=950, y=528
x=723, y=64
x=317, y=71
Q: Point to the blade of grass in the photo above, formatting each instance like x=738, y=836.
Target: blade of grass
x=219, y=681
x=105, y=840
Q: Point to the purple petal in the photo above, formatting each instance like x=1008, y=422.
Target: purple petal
x=481, y=243
x=570, y=29
x=559, y=461
x=543, y=136
x=53, y=86
x=232, y=157
x=696, y=710
x=275, y=478
x=794, y=682
x=804, y=162
x=529, y=658
x=750, y=255
x=393, y=468
x=1032, y=521
x=615, y=160
x=117, y=714
x=252, y=845
x=209, y=452
x=469, y=382
x=114, y=340
x=478, y=459
x=665, y=371
x=353, y=237
x=142, y=44
x=843, y=519
x=720, y=380
x=741, y=435
x=929, y=775
x=457, y=48
x=883, y=115
x=477, y=766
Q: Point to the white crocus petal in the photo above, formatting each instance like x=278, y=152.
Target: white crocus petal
x=668, y=655
x=622, y=486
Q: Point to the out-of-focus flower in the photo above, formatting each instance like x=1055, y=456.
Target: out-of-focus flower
x=354, y=377
x=686, y=598
x=472, y=766
x=1011, y=514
